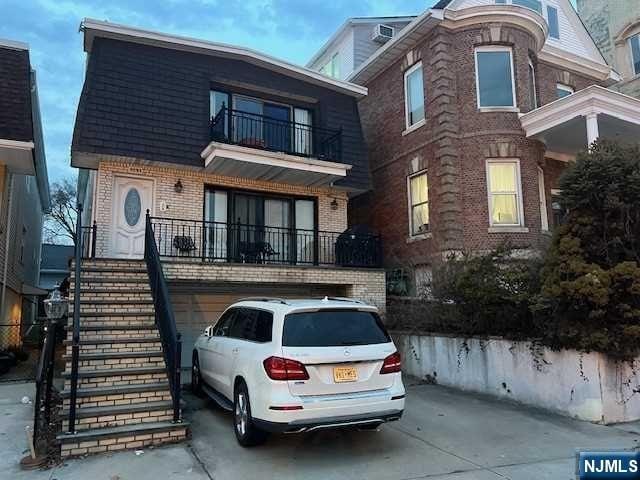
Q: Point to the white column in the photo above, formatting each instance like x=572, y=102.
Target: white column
x=593, y=131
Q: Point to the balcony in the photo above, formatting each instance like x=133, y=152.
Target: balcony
x=264, y=148
x=262, y=244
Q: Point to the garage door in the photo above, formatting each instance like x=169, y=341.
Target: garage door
x=198, y=306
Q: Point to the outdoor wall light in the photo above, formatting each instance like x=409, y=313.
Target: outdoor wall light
x=178, y=187
x=334, y=204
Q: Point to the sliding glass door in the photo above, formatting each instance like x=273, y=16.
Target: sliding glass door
x=247, y=227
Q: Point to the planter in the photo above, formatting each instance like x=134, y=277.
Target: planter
x=587, y=386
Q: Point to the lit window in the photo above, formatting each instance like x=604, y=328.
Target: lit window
x=533, y=96
x=505, y=201
x=552, y=20
x=414, y=95
x=563, y=90
x=635, y=53
x=418, y=204
x=494, y=77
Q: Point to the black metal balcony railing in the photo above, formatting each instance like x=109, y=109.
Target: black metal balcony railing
x=239, y=243
x=259, y=131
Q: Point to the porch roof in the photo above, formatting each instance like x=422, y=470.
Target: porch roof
x=570, y=124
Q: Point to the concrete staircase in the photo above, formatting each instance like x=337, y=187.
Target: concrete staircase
x=123, y=397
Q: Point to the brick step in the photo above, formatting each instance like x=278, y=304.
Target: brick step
x=124, y=324
x=154, y=359
x=91, y=412
x=122, y=438
x=113, y=269
x=116, y=372
x=115, y=356
x=141, y=289
x=107, y=333
x=120, y=390
x=133, y=415
x=114, y=316
x=112, y=262
x=150, y=344
x=88, y=309
x=117, y=377
x=103, y=295
x=87, y=281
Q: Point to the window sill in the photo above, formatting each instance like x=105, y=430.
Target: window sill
x=498, y=109
x=414, y=127
x=419, y=237
x=507, y=229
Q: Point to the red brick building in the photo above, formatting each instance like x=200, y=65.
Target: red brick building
x=474, y=110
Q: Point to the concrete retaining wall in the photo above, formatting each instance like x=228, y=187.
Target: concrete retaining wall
x=587, y=386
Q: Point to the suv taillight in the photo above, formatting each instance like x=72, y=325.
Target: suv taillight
x=278, y=368
x=392, y=364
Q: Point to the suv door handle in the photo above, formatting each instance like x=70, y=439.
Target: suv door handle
x=235, y=351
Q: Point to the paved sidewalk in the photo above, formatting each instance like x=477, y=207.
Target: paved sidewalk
x=445, y=434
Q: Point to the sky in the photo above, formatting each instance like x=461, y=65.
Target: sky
x=290, y=29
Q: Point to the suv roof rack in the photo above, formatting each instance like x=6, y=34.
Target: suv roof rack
x=264, y=299
x=344, y=299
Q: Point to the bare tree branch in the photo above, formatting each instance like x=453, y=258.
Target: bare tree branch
x=59, y=224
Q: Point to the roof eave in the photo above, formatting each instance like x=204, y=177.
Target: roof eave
x=92, y=28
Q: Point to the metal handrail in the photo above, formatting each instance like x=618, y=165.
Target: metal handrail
x=249, y=129
x=75, y=338
x=245, y=243
x=165, y=320
x=89, y=237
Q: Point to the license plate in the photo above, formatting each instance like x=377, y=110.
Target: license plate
x=345, y=374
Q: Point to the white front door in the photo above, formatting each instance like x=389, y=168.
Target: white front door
x=131, y=199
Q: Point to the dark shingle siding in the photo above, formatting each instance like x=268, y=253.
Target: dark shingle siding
x=15, y=95
x=151, y=102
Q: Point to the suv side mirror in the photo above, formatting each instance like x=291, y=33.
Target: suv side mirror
x=208, y=332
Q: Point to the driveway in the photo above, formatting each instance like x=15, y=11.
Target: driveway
x=444, y=434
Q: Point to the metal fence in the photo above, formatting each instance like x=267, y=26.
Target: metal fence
x=240, y=243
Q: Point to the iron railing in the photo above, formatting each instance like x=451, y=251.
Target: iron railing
x=241, y=243
x=75, y=336
x=165, y=321
x=43, y=403
x=267, y=133
x=89, y=241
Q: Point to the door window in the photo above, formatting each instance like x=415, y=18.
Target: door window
x=252, y=325
x=132, y=207
x=224, y=324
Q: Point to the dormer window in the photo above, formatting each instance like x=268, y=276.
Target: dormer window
x=532, y=4
x=635, y=53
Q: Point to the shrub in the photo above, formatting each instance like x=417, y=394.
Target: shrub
x=490, y=293
x=590, y=295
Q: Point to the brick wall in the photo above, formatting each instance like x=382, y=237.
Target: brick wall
x=367, y=285
x=453, y=147
x=190, y=203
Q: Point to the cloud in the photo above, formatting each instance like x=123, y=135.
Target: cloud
x=289, y=29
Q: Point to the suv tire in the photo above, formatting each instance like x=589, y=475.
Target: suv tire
x=247, y=433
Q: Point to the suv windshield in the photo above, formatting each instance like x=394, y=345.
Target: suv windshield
x=333, y=328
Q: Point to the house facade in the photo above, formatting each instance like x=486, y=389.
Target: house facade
x=474, y=109
x=233, y=170
x=354, y=42
x=615, y=27
x=24, y=192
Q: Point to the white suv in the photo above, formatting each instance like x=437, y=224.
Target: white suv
x=299, y=365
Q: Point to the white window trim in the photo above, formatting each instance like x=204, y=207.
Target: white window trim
x=496, y=48
x=535, y=93
x=566, y=88
x=416, y=236
x=419, y=123
x=519, y=205
x=542, y=192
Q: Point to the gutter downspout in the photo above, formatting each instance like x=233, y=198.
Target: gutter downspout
x=9, y=189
